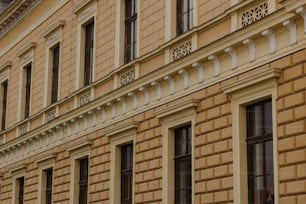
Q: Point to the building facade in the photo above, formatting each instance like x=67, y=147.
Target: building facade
x=153, y=101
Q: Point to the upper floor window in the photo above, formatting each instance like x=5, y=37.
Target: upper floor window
x=4, y=103
x=26, y=90
x=55, y=73
x=182, y=165
x=126, y=173
x=184, y=16
x=88, y=53
x=130, y=45
x=260, y=153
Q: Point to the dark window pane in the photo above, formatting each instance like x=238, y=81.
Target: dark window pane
x=184, y=16
x=28, y=70
x=49, y=175
x=130, y=43
x=21, y=190
x=89, y=41
x=83, y=182
x=260, y=153
x=126, y=173
x=55, y=70
x=4, y=104
x=182, y=159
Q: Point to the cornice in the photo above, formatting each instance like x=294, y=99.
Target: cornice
x=82, y=143
x=20, y=166
x=6, y=64
x=192, y=103
x=58, y=24
x=122, y=128
x=81, y=5
x=44, y=157
x=26, y=48
x=17, y=11
x=106, y=110
x=230, y=88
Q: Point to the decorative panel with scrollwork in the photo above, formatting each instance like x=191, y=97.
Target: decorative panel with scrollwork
x=254, y=14
x=23, y=129
x=127, y=77
x=84, y=98
x=50, y=115
x=182, y=50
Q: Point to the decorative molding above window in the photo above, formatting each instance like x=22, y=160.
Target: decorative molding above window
x=19, y=167
x=21, y=11
x=130, y=126
x=41, y=158
x=51, y=114
x=253, y=14
x=266, y=75
x=181, y=50
x=190, y=104
x=53, y=33
x=53, y=27
x=4, y=70
x=84, y=98
x=83, y=144
x=127, y=77
x=26, y=53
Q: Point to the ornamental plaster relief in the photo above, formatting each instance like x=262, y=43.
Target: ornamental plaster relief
x=147, y=92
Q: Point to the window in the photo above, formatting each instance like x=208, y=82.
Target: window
x=4, y=103
x=83, y=180
x=27, y=90
x=86, y=14
x=255, y=137
x=130, y=45
x=126, y=173
x=88, y=52
x=182, y=164
x=184, y=16
x=55, y=73
x=178, y=151
x=48, y=174
x=79, y=158
x=20, y=190
x=260, y=153
x=122, y=140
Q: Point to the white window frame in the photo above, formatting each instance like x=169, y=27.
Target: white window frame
x=18, y=171
x=172, y=118
x=119, y=136
x=170, y=20
x=86, y=12
x=44, y=162
x=4, y=76
x=120, y=32
x=244, y=92
x=53, y=36
x=26, y=56
x=78, y=150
